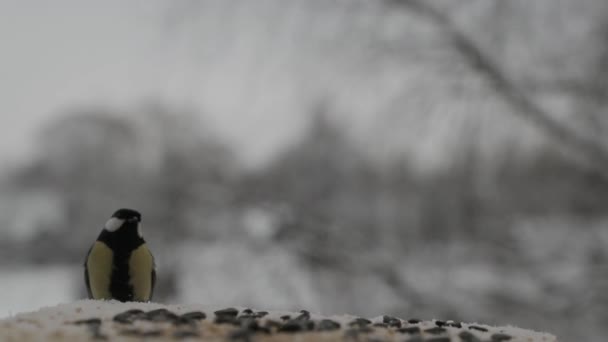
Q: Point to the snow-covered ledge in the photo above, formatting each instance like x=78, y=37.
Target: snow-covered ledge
x=112, y=320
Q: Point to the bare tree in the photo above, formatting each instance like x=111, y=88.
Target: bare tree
x=591, y=151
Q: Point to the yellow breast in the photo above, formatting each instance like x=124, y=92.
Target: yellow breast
x=99, y=267
x=141, y=264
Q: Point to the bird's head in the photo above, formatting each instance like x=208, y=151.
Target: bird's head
x=124, y=220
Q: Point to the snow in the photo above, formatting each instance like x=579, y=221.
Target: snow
x=57, y=323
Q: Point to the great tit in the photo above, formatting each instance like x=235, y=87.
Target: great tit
x=119, y=265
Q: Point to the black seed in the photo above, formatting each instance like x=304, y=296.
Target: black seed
x=391, y=321
x=245, y=317
x=327, y=325
x=160, y=315
x=500, y=337
x=226, y=320
x=466, y=336
x=360, y=322
x=90, y=321
x=386, y=319
x=139, y=333
x=285, y=317
x=440, y=323
x=247, y=311
x=409, y=330
x=196, y=315
x=305, y=315
x=260, y=314
x=413, y=321
x=454, y=325
x=435, y=330
x=291, y=326
x=380, y=325
x=476, y=327
x=185, y=334
x=181, y=320
x=232, y=312
x=129, y=316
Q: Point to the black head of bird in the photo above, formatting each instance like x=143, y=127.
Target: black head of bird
x=119, y=265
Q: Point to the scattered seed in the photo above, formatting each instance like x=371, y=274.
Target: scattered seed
x=90, y=321
x=413, y=321
x=227, y=312
x=161, y=315
x=227, y=320
x=196, y=315
x=440, y=323
x=304, y=315
x=328, y=325
x=129, y=316
x=285, y=317
x=454, y=325
x=181, y=320
x=361, y=322
x=476, y=327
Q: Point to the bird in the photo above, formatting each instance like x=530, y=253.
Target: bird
x=119, y=264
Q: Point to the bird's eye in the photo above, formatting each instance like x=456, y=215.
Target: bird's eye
x=113, y=224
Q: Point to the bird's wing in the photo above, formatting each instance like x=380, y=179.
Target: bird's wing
x=153, y=276
x=153, y=282
x=86, y=274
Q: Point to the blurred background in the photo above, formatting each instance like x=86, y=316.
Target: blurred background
x=422, y=158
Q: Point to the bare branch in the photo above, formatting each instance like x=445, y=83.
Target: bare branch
x=593, y=152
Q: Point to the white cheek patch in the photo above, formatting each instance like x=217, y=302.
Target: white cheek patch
x=139, y=230
x=113, y=224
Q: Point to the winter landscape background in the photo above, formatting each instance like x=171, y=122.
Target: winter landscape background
x=428, y=158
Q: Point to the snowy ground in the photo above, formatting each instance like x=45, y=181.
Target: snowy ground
x=88, y=320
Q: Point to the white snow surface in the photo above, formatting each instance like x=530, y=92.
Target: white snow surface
x=56, y=323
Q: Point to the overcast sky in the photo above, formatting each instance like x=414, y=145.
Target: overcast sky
x=66, y=53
